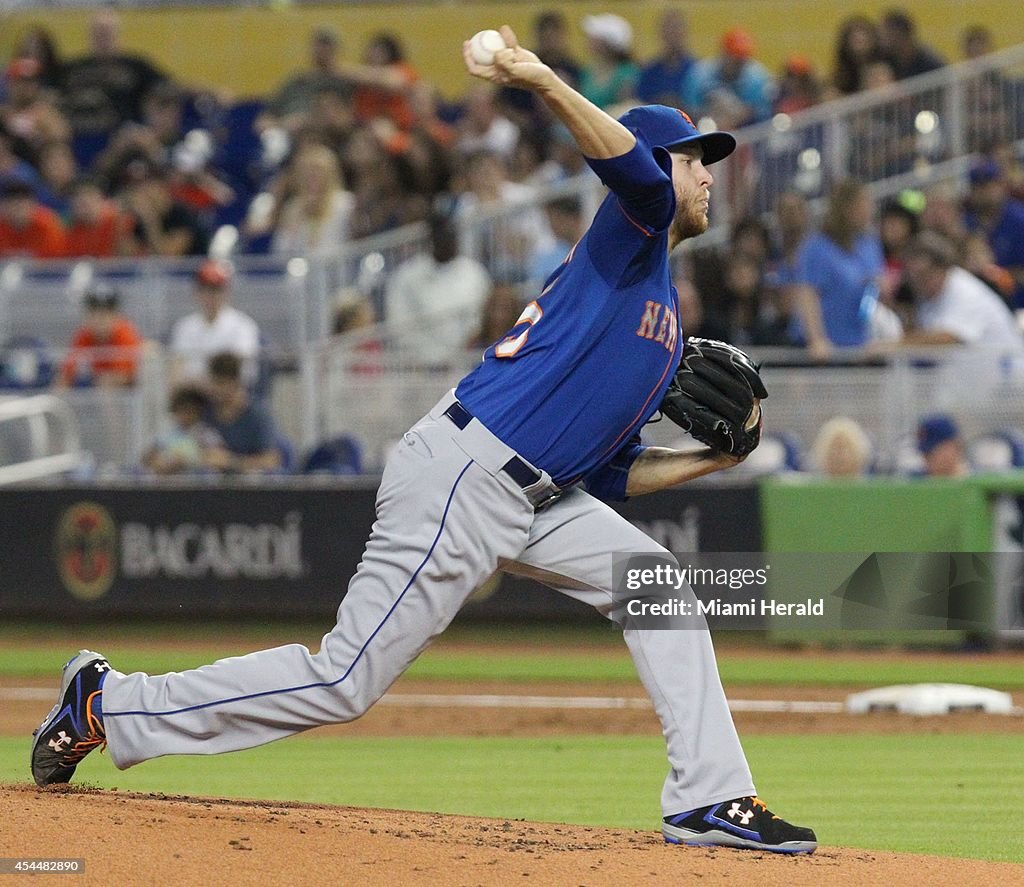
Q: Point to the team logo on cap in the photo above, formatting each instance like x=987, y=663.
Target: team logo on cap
x=86, y=550
x=686, y=117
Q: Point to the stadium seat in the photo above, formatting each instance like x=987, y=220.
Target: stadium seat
x=339, y=455
x=26, y=364
x=1001, y=450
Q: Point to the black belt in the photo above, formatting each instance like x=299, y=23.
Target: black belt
x=515, y=468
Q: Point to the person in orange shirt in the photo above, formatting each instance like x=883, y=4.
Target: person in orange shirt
x=96, y=224
x=105, y=348
x=27, y=228
x=383, y=83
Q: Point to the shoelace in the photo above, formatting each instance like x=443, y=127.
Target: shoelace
x=80, y=749
x=757, y=802
x=96, y=737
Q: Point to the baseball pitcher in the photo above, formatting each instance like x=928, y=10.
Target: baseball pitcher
x=508, y=472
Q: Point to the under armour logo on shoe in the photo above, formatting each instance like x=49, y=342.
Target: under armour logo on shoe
x=744, y=815
x=100, y=665
x=61, y=742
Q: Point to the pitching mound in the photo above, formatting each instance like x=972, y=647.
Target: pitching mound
x=133, y=839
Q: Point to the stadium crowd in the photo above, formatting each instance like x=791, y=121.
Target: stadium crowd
x=106, y=155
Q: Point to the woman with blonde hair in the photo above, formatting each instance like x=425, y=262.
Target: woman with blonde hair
x=841, y=449
x=315, y=220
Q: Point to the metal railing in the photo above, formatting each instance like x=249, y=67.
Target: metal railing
x=914, y=133
x=106, y=427
x=38, y=438
x=375, y=394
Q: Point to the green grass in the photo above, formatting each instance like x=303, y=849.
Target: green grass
x=938, y=794
x=442, y=664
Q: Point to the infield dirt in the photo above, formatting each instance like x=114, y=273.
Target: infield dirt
x=158, y=839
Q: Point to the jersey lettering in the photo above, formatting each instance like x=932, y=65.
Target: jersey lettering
x=650, y=320
x=667, y=330
x=510, y=345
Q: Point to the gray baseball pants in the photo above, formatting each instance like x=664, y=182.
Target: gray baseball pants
x=448, y=517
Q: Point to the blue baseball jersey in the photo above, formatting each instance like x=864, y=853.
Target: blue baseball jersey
x=589, y=360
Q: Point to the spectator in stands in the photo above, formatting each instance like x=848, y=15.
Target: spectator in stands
x=30, y=112
x=943, y=211
x=564, y=160
x=1011, y=167
x=1000, y=219
x=882, y=144
x=792, y=224
x=187, y=446
x=857, y=46
x=902, y=48
x=27, y=228
x=746, y=313
x=434, y=302
x=96, y=224
x=332, y=116
x=565, y=216
x=57, y=173
x=483, y=127
x=12, y=165
x=216, y=327
x=250, y=439
x=383, y=187
x=39, y=44
x=551, y=31
x=316, y=219
x=954, y=306
x=161, y=225
x=661, y=79
x=899, y=221
x=841, y=449
x=105, y=87
x=940, y=444
x=351, y=311
x=734, y=89
x=508, y=241
x=105, y=349
x=799, y=86
x=976, y=41
x=426, y=152
x=979, y=259
x=838, y=272
x=551, y=44
x=383, y=82
x=294, y=101
x=989, y=100
x=160, y=140
x=610, y=76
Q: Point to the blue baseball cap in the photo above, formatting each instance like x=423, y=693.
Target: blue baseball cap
x=935, y=430
x=670, y=128
x=985, y=171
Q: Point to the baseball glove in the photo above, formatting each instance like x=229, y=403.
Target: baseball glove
x=715, y=397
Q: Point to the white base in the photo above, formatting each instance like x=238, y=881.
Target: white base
x=930, y=699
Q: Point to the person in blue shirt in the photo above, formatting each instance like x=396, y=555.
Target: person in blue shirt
x=733, y=88
x=992, y=213
x=838, y=274
x=661, y=80
x=507, y=472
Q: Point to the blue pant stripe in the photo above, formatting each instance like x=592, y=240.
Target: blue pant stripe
x=348, y=671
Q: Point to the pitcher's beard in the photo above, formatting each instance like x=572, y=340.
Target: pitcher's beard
x=688, y=223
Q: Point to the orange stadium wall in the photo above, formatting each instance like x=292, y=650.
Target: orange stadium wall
x=247, y=51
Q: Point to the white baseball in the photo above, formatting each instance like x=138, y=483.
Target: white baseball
x=483, y=45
